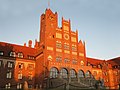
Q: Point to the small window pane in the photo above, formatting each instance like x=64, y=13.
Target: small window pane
x=1, y=53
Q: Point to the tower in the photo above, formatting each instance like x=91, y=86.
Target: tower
x=48, y=23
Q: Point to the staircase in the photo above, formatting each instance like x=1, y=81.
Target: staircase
x=71, y=84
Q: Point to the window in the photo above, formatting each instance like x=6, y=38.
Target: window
x=58, y=45
x=73, y=39
x=19, y=75
x=53, y=72
x=12, y=54
x=72, y=73
x=74, y=48
x=7, y=86
x=74, y=61
x=1, y=53
x=99, y=66
x=31, y=57
x=21, y=66
x=81, y=74
x=10, y=64
x=19, y=86
x=59, y=35
x=74, y=53
x=66, y=60
x=9, y=74
x=105, y=73
x=20, y=55
x=95, y=73
x=88, y=74
x=30, y=76
x=50, y=48
x=30, y=67
x=66, y=51
x=66, y=46
x=82, y=63
x=59, y=59
x=116, y=73
x=29, y=86
x=63, y=73
x=88, y=64
x=66, y=28
x=0, y=63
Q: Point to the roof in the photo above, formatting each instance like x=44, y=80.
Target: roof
x=94, y=61
x=7, y=48
x=114, y=61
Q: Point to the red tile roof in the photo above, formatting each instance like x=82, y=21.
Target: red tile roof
x=94, y=61
x=114, y=61
x=7, y=48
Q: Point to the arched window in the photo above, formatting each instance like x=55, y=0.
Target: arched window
x=63, y=73
x=72, y=73
x=81, y=74
x=12, y=54
x=88, y=74
x=20, y=55
x=53, y=72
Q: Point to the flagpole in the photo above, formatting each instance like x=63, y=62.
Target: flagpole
x=48, y=3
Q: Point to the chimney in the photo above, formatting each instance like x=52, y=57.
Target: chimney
x=30, y=43
x=25, y=44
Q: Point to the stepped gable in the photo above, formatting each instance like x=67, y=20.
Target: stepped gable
x=94, y=61
x=6, y=48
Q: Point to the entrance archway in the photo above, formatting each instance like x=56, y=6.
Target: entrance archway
x=81, y=74
x=73, y=73
x=63, y=73
x=53, y=72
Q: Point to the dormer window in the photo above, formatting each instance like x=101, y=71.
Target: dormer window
x=31, y=57
x=10, y=64
x=1, y=53
x=99, y=66
x=12, y=54
x=88, y=64
x=20, y=55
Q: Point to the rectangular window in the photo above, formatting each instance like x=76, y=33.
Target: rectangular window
x=81, y=54
x=30, y=57
x=50, y=48
x=74, y=48
x=66, y=28
x=74, y=61
x=59, y=35
x=30, y=67
x=7, y=86
x=9, y=74
x=19, y=86
x=59, y=59
x=19, y=75
x=66, y=46
x=10, y=64
x=58, y=45
x=73, y=39
x=66, y=51
x=74, y=53
x=20, y=55
x=66, y=60
x=21, y=66
x=30, y=76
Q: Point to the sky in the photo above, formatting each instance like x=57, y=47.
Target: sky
x=97, y=21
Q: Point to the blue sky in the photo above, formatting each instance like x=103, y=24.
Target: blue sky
x=98, y=22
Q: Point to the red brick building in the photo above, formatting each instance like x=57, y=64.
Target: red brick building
x=56, y=56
